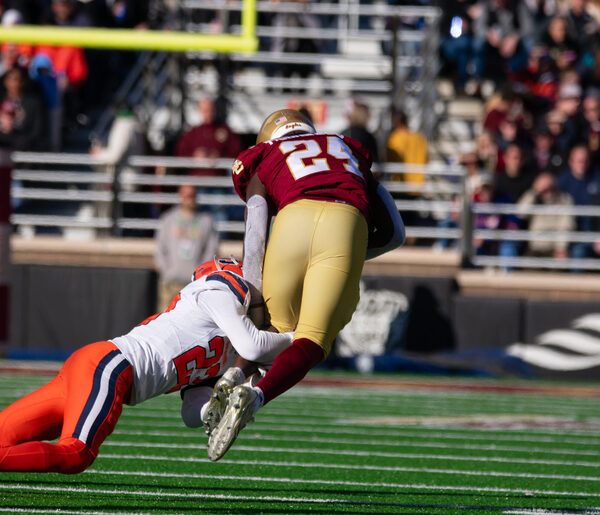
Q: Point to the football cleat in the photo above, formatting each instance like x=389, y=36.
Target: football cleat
x=215, y=408
x=284, y=122
x=243, y=403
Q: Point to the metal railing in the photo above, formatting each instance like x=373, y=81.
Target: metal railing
x=395, y=65
x=59, y=192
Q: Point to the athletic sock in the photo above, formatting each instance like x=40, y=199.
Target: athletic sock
x=290, y=367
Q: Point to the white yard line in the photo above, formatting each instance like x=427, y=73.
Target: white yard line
x=378, y=443
x=274, y=425
x=408, y=486
x=192, y=495
x=352, y=467
x=367, y=454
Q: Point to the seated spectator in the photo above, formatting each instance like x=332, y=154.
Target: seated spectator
x=581, y=180
x=358, y=115
x=568, y=103
x=507, y=27
x=212, y=139
x=409, y=147
x=545, y=154
x=21, y=126
x=66, y=13
x=516, y=178
x=14, y=54
x=509, y=133
x=488, y=194
x=590, y=69
x=501, y=106
x=563, y=140
x=582, y=25
x=540, y=78
x=473, y=181
x=562, y=46
x=544, y=192
x=459, y=45
x=488, y=153
x=590, y=128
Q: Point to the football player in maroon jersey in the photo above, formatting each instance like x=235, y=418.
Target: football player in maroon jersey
x=331, y=215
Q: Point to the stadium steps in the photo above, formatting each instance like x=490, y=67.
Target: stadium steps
x=458, y=125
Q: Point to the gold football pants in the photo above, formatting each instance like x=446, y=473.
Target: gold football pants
x=312, y=269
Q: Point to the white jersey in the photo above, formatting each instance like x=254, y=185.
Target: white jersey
x=196, y=338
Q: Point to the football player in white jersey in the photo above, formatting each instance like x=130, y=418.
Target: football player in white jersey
x=182, y=349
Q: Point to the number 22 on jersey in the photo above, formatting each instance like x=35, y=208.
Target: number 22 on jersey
x=305, y=156
x=198, y=363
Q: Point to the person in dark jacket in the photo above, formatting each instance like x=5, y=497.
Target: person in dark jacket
x=21, y=114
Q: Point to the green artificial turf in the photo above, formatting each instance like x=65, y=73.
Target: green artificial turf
x=419, y=446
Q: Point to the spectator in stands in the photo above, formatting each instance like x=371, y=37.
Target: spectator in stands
x=540, y=78
x=515, y=179
x=562, y=46
x=487, y=151
x=487, y=193
x=507, y=27
x=212, y=139
x=581, y=180
x=408, y=147
x=582, y=24
x=505, y=104
x=544, y=192
x=21, y=126
x=590, y=69
x=545, y=155
x=460, y=47
x=67, y=13
x=568, y=103
x=184, y=239
x=510, y=133
x=590, y=128
x=14, y=54
x=563, y=140
x=357, y=114
x=475, y=173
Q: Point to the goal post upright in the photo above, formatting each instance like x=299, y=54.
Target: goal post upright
x=130, y=39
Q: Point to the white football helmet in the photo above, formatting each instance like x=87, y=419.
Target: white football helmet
x=283, y=123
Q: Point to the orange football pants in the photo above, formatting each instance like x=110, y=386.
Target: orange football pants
x=80, y=407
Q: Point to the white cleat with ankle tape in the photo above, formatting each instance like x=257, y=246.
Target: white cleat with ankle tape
x=213, y=412
x=244, y=402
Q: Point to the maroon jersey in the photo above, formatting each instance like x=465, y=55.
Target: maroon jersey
x=327, y=167
x=211, y=141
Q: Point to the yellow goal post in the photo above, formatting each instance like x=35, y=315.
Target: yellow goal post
x=128, y=39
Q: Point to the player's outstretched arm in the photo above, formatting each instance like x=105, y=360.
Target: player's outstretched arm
x=255, y=240
x=250, y=343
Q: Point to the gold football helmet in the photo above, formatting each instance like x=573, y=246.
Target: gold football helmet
x=283, y=123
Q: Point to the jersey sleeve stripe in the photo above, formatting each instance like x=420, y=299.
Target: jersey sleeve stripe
x=227, y=279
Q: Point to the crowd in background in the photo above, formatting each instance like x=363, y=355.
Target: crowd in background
x=539, y=138
x=539, y=142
